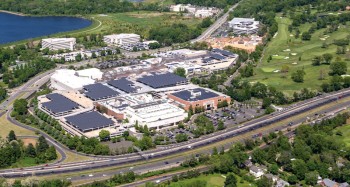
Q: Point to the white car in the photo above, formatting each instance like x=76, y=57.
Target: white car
x=157, y=181
x=91, y=175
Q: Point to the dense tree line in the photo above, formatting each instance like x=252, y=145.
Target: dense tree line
x=176, y=33
x=31, y=64
x=12, y=150
x=22, y=73
x=34, y=182
x=243, y=91
x=116, y=180
x=68, y=7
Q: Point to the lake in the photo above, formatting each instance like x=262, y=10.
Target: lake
x=14, y=28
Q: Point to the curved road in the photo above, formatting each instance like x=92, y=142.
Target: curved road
x=296, y=109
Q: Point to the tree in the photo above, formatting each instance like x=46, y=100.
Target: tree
x=298, y=76
x=306, y=36
x=51, y=153
x=338, y=68
x=104, y=135
x=180, y=72
x=42, y=145
x=11, y=136
x=215, y=151
x=264, y=182
x=259, y=156
x=206, y=22
x=145, y=143
x=20, y=106
x=273, y=169
x=266, y=102
x=30, y=150
x=181, y=138
x=292, y=179
x=221, y=125
x=311, y=178
x=317, y=60
x=230, y=181
x=154, y=45
x=299, y=168
x=327, y=58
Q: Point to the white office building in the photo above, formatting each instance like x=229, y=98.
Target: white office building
x=58, y=43
x=92, y=73
x=182, y=8
x=69, y=80
x=205, y=12
x=244, y=25
x=121, y=39
x=145, y=110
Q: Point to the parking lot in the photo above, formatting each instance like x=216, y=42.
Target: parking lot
x=234, y=115
x=231, y=116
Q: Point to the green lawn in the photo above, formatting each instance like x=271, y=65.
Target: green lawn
x=24, y=162
x=162, y=2
x=214, y=180
x=345, y=134
x=140, y=21
x=7, y=126
x=285, y=49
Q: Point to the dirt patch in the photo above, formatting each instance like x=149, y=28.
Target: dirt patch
x=27, y=141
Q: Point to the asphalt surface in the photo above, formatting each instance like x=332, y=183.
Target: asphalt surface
x=100, y=162
x=218, y=23
x=294, y=110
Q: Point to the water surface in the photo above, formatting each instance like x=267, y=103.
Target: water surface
x=14, y=27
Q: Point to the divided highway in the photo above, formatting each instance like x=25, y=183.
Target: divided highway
x=294, y=110
x=107, y=161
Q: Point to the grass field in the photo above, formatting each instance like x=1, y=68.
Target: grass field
x=345, y=134
x=24, y=162
x=286, y=50
x=7, y=126
x=139, y=22
x=214, y=180
x=162, y=2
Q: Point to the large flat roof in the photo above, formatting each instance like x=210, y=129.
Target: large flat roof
x=99, y=91
x=196, y=94
x=58, y=103
x=162, y=80
x=123, y=84
x=223, y=52
x=89, y=121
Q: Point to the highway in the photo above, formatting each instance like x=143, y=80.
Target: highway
x=294, y=110
x=217, y=24
x=107, y=161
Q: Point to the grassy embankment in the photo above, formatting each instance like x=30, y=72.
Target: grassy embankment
x=345, y=134
x=285, y=49
x=213, y=180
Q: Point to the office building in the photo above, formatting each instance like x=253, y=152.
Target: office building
x=162, y=80
x=198, y=97
x=244, y=26
x=66, y=79
x=58, y=43
x=143, y=109
x=121, y=39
